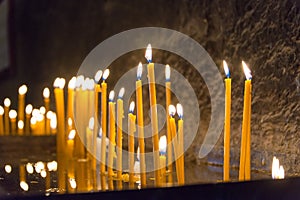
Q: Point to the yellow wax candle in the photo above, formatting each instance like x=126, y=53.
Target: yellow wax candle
x=70, y=157
x=53, y=123
x=33, y=125
x=20, y=127
x=70, y=144
x=59, y=84
x=180, y=143
x=248, y=145
x=46, y=95
x=43, y=120
x=162, y=158
x=1, y=121
x=120, y=116
x=22, y=173
x=103, y=126
x=21, y=103
x=13, y=121
x=245, y=128
x=70, y=105
x=169, y=136
x=154, y=123
x=112, y=139
x=172, y=111
x=131, y=130
x=28, y=111
x=226, y=165
x=7, y=103
x=91, y=98
x=140, y=123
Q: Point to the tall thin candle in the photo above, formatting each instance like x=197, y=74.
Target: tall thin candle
x=46, y=95
x=7, y=103
x=131, y=130
x=13, y=121
x=180, y=143
x=21, y=104
x=28, y=111
x=1, y=120
x=162, y=158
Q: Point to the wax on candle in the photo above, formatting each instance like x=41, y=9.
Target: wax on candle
x=162, y=158
x=28, y=111
x=226, y=165
x=1, y=120
x=7, y=103
x=169, y=136
x=153, y=107
x=140, y=123
x=245, y=160
x=120, y=116
x=13, y=121
x=131, y=129
x=21, y=103
x=180, y=143
x=104, y=127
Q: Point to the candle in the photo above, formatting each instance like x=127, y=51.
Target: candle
x=154, y=123
x=103, y=126
x=33, y=125
x=13, y=121
x=226, y=165
x=245, y=165
x=46, y=95
x=22, y=173
x=53, y=123
x=28, y=111
x=169, y=136
x=1, y=120
x=172, y=112
x=21, y=104
x=112, y=139
x=59, y=84
x=131, y=130
x=7, y=103
x=120, y=116
x=71, y=87
x=180, y=143
x=162, y=158
x=89, y=135
x=140, y=123
x=43, y=120
x=70, y=156
x=20, y=127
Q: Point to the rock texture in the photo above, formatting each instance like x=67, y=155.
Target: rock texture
x=53, y=38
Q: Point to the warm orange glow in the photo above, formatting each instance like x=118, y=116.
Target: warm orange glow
x=12, y=114
x=72, y=134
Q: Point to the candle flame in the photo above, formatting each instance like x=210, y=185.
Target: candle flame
x=91, y=123
x=111, y=96
x=40, y=117
x=43, y=173
x=148, y=54
x=172, y=110
x=105, y=74
x=20, y=124
x=24, y=186
x=281, y=172
x=90, y=84
x=52, y=166
x=12, y=114
x=72, y=83
x=72, y=134
x=53, y=121
x=49, y=114
x=42, y=110
x=33, y=120
x=98, y=76
x=7, y=102
x=8, y=168
x=247, y=71
x=226, y=69
x=46, y=93
x=85, y=84
x=121, y=93
x=79, y=81
x=139, y=71
x=131, y=107
x=35, y=112
x=73, y=183
x=39, y=166
x=277, y=170
x=179, y=110
x=138, y=153
x=168, y=72
x=163, y=144
x=22, y=90
x=1, y=110
x=28, y=109
x=29, y=168
x=70, y=122
x=59, y=83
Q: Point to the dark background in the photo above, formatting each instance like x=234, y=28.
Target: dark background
x=51, y=39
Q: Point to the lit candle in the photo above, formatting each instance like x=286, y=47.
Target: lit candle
x=154, y=123
x=53, y=123
x=245, y=158
x=33, y=125
x=112, y=139
x=226, y=165
x=169, y=136
x=277, y=170
x=70, y=144
x=1, y=120
x=43, y=120
x=70, y=156
x=140, y=123
x=21, y=104
x=103, y=126
x=172, y=112
x=28, y=111
x=131, y=130
x=13, y=121
x=162, y=158
x=7, y=103
x=120, y=116
x=71, y=87
x=59, y=84
x=180, y=143
x=46, y=95
x=20, y=127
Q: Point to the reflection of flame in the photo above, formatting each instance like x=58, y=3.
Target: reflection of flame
x=277, y=170
x=91, y=123
x=24, y=186
x=73, y=183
